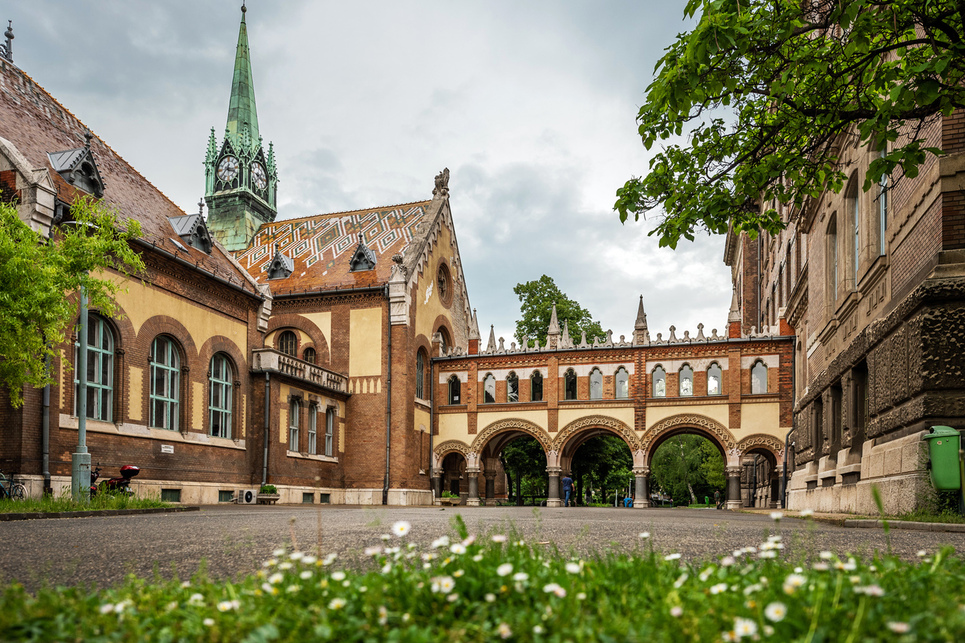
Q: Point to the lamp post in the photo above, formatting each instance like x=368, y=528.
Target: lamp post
x=80, y=459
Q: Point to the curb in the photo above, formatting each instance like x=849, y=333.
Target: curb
x=906, y=524
x=87, y=514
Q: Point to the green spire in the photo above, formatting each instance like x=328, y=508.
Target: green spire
x=241, y=108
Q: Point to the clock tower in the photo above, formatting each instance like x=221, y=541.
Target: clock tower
x=240, y=178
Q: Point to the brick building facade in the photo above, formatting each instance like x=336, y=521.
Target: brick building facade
x=873, y=284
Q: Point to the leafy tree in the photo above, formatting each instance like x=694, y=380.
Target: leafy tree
x=524, y=462
x=769, y=92
x=537, y=299
x=36, y=277
x=687, y=467
x=602, y=462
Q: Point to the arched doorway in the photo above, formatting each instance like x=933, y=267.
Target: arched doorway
x=762, y=459
x=486, y=460
x=579, y=445
x=687, y=469
x=450, y=470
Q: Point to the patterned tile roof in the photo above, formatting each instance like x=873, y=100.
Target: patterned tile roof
x=36, y=124
x=322, y=246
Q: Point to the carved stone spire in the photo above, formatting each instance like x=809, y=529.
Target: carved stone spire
x=734, y=318
x=566, y=342
x=553, y=332
x=491, y=346
x=474, y=326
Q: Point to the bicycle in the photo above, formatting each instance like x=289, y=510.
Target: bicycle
x=10, y=489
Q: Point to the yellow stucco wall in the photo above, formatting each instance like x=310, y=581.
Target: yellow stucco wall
x=134, y=394
x=762, y=418
x=324, y=323
x=365, y=342
x=141, y=302
x=719, y=412
x=625, y=415
x=538, y=418
x=197, y=415
x=453, y=426
x=422, y=421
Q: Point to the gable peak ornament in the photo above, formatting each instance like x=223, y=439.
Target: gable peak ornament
x=442, y=184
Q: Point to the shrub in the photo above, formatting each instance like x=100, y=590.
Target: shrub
x=268, y=489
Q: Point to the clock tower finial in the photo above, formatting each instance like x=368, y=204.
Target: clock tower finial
x=240, y=178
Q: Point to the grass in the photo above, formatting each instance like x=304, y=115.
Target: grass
x=927, y=516
x=57, y=504
x=464, y=588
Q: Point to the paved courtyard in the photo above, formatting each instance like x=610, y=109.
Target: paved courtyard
x=233, y=540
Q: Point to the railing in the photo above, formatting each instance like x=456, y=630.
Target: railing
x=273, y=361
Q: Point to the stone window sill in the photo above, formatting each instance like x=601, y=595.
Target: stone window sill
x=150, y=433
x=309, y=456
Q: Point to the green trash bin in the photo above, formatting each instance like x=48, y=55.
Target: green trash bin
x=944, y=442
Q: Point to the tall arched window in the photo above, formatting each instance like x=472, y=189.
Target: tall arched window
x=312, y=428
x=714, y=378
x=854, y=196
x=569, y=384
x=536, y=387
x=883, y=207
x=832, y=260
x=165, y=383
x=759, y=377
x=100, y=370
x=489, y=389
x=686, y=384
x=420, y=374
x=596, y=384
x=220, y=384
x=329, y=431
x=446, y=340
x=512, y=388
x=288, y=343
x=310, y=355
x=622, y=384
x=294, y=419
x=455, y=389
x=659, y=378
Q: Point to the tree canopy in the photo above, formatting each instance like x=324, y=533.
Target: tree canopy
x=37, y=276
x=769, y=92
x=687, y=468
x=537, y=299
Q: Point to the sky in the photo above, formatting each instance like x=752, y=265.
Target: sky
x=531, y=104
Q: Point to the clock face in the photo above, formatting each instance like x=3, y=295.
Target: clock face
x=258, y=175
x=228, y=169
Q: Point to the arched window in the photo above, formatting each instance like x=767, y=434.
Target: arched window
x=512, y=387
x=659, y=377
x=312, y=428
x=686, y=384
x=714, y=378
x=883, y=207
x=288, y=343
x=536, y=387
x=165, y=384
x=759, y=377
x=455, y=388
x=294, y=418
x=832, y=260
x=854, y=195
x=569, y=384
x=446, y=341
x=420, y=374
x=596, y=384
x=489, y=389
x=220, y=385
x=329, y=431
x=310, y=355
x=100, y=369
x=622, y=382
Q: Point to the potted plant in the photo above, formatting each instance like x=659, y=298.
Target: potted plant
x=450, y=498
x=268, y=494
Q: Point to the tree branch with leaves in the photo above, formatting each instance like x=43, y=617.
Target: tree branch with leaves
x=765, y=91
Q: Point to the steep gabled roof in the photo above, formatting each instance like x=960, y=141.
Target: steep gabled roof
x=322, y=246
x=36, y=124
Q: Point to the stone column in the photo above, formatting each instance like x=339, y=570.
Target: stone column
x=554, y=487
x=490, y=487
x=473, y=474
x=436, y=484
x=641, y=479
x=733, y=488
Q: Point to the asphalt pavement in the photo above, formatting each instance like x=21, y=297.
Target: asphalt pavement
x=230, y=540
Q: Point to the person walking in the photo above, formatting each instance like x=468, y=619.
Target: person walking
x=567, y=489
x=717, y=498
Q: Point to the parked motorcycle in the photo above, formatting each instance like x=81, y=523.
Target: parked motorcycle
x=117, y=484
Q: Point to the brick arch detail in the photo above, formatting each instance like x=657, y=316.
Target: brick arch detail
x=323, y=353
x=451, y=446
x=512, y=424
x=576, y=427
x=443, y=321
x=705, y=425
x=221, y=344
x=164, y=325
x=761, y=441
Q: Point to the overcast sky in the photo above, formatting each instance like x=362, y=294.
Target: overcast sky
x=530, y=104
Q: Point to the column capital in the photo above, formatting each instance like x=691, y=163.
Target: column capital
x=473, y=470
x=641, y=471
x=734, y=472
x=554, y=471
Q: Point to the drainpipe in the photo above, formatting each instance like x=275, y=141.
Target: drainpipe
x=432, y=413
x=264, y=469
x=787, y=437
x=45, y=433
x=388, y=406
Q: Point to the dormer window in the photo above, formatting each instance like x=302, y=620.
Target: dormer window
x=363, y=259
x=193, y=231
x=281, y=265
x=78, y=168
